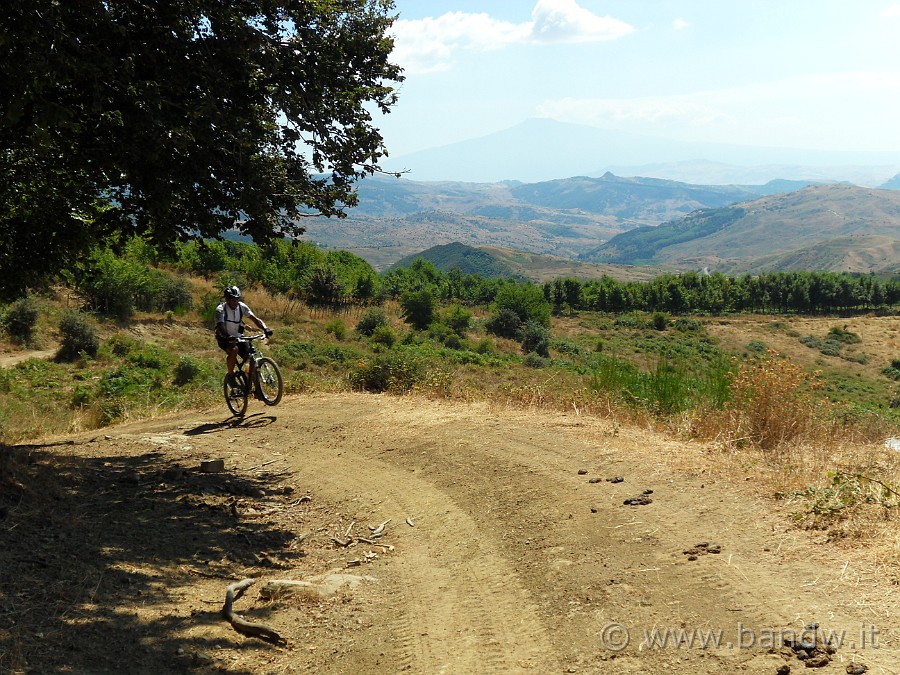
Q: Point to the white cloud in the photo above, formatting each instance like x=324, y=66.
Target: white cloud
x=567, y=21
x=891, y=12
x=428, y=45
x=680, y=24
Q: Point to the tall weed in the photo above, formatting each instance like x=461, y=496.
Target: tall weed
x=770, y=403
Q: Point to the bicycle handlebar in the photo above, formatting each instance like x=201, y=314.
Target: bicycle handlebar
x=250, y=338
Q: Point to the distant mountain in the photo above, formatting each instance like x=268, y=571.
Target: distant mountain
x=568, y=217
x=544, y=149
x=822, y=227
x=892, y=184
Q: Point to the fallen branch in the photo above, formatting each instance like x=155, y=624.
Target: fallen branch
x=240, y=624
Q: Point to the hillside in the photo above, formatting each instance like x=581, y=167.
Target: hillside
x=823, y=227
x=566, y=218
x=494, y=261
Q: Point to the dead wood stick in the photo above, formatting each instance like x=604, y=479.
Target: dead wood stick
x=259, y=466
x=238, y=622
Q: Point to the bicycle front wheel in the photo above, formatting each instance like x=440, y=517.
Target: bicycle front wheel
x=237, y=394
x=268, y=376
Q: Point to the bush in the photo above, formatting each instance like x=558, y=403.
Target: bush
x=77, y=337
x=371, y=319
x=485, y=347
x=536, y=338
x=187, y=370
x=756, y=347
x=769, y=405
x=417, y=308
x=841, y=334
x=687, y=325
x=384, y=336
x=660, y=320
x=526, y=301
x=506, y=324
x=337, y=328
x=458, y=319
x=396, y=372
x=535, y=360
x=454, y=341
x=20, y=320
x=566, y=347
x=171, y=294
x=113, y=285
x=892, y=371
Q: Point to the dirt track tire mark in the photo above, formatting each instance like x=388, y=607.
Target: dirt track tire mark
x=464, y=610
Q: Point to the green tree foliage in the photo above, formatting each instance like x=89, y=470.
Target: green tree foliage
x=182, y=119
x=526, y=301
x=417, y=308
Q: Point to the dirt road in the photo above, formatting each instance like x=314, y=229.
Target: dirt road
x=508, y=548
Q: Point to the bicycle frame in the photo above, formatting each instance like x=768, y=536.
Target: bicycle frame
x=262, y=376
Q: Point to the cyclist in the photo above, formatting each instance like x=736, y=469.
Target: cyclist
x=230, y=324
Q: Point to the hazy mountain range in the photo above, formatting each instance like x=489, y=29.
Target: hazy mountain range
x=543, y=149
x=612, y=220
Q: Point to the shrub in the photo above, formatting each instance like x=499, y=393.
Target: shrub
x=439, y=331
x=892, y=371
x=371, y=319
x=113, y=285
x=417, y=308
x=20, y=320
x=454, y=341
x=660, y=320
x=526, y=301
x=506, y=323
x=485, y=346
x=632, y=320
x=566, y=347
x=769, y=406
x=77, y=337
x=384, y=336
x=534, y=360
x=687, y=325
x=187, y=370
x=536, y=338
x=396, y=371
x=841, y=334
x=458, y=319
x=756, y=347
x=171, y=294
x=337, y=328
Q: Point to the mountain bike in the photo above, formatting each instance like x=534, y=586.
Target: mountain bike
x=256, y=372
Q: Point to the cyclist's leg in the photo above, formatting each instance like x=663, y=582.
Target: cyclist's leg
x=231, y=350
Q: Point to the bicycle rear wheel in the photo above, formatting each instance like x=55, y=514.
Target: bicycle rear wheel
x=268, y=376
x=236, y=395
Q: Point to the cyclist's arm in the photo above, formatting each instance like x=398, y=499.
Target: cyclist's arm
x=259, y=322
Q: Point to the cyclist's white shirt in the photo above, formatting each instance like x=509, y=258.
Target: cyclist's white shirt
x=232, y=318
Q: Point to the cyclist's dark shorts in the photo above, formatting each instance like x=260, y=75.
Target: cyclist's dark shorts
x=243, y=347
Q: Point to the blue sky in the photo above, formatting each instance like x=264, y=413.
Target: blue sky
x=817, y=74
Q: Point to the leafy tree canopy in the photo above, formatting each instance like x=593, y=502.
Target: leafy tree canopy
x=175, y=119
